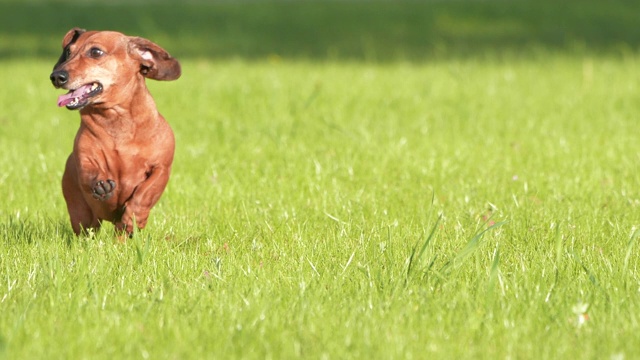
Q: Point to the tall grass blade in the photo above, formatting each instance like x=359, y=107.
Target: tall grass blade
x=493, y=275
x=413, y=257
x=630, y=245
x=559, y=249
x=468, y=250
x=592, y=277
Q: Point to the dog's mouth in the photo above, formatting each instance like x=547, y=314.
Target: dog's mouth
x=75, y=99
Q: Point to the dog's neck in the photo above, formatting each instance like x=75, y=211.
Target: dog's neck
x=121, y=119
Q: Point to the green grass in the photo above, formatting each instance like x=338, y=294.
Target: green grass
x=459, y=207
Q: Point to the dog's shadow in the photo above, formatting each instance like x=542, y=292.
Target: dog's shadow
x=15, y=230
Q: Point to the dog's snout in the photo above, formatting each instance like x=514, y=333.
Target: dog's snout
x=59, y=78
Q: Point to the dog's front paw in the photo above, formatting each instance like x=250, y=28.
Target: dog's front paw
x=103, y=189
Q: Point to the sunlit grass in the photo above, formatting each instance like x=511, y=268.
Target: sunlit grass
x=450, y=209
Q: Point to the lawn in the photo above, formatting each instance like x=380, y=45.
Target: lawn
x=475, y=195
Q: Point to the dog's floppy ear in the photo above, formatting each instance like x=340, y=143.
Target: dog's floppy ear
x=155, y=62
x=71, y=37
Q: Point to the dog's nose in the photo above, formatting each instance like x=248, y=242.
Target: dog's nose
x=59, y=78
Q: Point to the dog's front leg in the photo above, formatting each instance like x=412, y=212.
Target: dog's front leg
x=145, y=196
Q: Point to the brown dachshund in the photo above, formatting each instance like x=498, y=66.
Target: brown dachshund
x=123, y=151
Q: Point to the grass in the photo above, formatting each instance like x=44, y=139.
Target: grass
x=463, y=207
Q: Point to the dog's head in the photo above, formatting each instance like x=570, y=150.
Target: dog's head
x=98, y=66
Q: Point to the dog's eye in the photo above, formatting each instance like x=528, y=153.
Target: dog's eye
x=95, y=53
x=67, y=54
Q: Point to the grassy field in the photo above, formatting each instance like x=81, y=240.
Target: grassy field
x=443, y=202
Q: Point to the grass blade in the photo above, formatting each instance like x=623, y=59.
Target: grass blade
x=630, y=245
x=468, y=250
x=493, y=275
x=413, y=257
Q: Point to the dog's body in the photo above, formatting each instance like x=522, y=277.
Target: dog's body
x=123, y=151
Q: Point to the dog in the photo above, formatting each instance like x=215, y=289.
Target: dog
x=124, y=148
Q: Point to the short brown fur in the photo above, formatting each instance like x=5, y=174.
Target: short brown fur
x=123, y=150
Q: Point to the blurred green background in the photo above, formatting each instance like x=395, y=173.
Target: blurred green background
x=335, y=30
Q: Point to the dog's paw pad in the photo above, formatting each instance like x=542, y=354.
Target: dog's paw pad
x=103, y=189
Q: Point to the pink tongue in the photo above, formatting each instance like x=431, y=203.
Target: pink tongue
x=66, y=99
